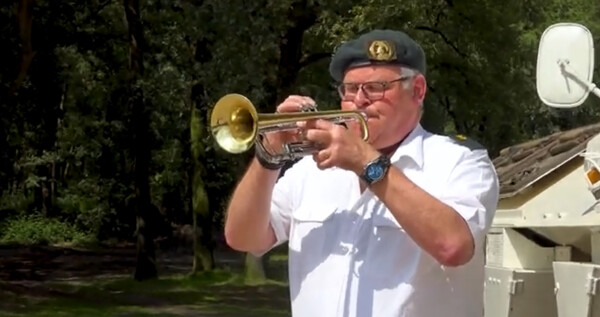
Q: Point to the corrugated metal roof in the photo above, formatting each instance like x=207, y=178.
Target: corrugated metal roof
x=520, y=166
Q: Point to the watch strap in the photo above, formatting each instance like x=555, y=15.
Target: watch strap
x=265, y=159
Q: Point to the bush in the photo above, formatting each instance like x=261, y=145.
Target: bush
x=35, y=229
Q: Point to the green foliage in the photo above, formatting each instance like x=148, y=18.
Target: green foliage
x=68, y=124
x=92, y=204
x=35, y=229
x=15, y=202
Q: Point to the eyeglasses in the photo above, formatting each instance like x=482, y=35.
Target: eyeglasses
x=373, y=90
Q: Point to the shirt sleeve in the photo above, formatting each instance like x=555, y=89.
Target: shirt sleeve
x=473, y=191
x=282, y=203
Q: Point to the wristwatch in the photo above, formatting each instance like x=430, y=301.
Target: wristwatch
x=375, y=170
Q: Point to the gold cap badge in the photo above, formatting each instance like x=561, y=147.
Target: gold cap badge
x=381, y=51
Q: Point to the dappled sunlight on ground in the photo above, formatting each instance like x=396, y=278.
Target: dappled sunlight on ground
x=60, y=287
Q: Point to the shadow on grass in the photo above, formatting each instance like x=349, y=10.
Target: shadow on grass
x=217, y=293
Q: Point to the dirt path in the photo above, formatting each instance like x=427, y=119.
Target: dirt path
x=48, y=263
x=29, y=277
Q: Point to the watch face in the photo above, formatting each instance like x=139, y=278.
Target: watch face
x=374, y=171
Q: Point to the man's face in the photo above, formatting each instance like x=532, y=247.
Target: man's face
x=392, y=110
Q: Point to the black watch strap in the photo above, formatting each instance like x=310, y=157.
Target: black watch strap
x=263, y=158
x=266, y=164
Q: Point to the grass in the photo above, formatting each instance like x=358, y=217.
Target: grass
x=35, y=229
x=217, y=293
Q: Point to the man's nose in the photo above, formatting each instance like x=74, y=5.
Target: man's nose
x=361, y=100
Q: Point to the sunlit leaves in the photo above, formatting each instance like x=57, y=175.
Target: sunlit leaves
x=72, y=112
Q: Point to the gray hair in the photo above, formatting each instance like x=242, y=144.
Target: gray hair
x=409, y=84
x=410, y=73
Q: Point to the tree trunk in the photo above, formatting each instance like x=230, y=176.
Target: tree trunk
x=146, y=258
x=302, y=16
x=203, y=254
x=203, y=245
x=255, y=270
x=202, y=216
x=25, y=22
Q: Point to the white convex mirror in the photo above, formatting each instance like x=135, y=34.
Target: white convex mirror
x=565, y=65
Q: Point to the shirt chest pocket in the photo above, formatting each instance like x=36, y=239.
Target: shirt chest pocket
x=389, y=240
x=313, y=213
x=313, y=225
x=383, y=219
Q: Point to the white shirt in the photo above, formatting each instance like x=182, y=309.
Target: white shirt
x=348, y=256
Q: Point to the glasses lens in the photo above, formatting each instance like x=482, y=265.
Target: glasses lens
x=348, y=91
x=374, y=91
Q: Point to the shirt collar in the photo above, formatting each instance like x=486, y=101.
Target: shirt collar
x=411, y=147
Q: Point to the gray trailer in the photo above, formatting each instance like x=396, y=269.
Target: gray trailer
x=543, y=250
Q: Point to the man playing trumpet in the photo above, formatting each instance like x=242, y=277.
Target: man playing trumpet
x=391, y=226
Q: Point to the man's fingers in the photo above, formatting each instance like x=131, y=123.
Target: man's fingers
x=300, y=99
x=324, y=124
x=288, y=106
x=306, y=125
x=321, y=137
x=322, y=158
x=320, y=124
x=306, y=102
x=295, y=103
x=322, y=155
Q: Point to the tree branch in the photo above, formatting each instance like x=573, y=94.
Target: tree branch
x=444, y=37
x=457, y=125
x=456, y=68
x=95, y=13
x=445, y=102
x=438, y=17
x=101, y=6
x=313, y=58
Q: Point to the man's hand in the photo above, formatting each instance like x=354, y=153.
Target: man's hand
x=339, y=146
x=275, y=140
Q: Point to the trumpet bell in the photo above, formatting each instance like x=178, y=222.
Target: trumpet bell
x=236, y=126
x=234, y=123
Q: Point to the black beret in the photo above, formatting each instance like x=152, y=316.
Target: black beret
x=377, y=47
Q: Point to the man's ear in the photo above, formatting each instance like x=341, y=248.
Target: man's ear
x=419, y=88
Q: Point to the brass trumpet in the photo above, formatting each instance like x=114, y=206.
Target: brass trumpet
x=236, y=126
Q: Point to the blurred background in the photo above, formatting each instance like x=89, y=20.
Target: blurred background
x=111, y=188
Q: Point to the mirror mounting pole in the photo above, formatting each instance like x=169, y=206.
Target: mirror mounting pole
x=568, y=71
